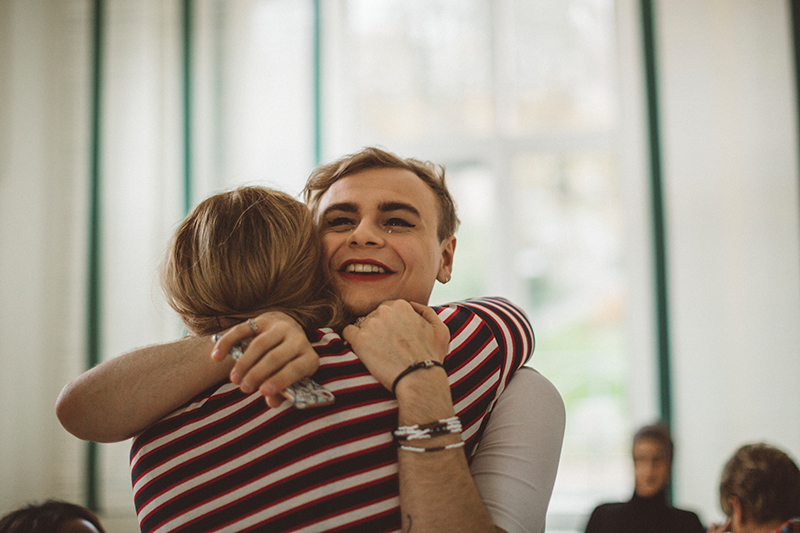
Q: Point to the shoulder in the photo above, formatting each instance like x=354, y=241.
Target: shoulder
x=606, y=517
x=688, y=520
x=489, y=305
x=507, y=319
x=609, y=509
x=507, y=322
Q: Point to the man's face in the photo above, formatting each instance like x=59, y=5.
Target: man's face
x=378, y=230
x=651, y=466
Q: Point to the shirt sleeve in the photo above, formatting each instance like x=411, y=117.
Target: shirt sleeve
x=510, y=327
x=515, y=466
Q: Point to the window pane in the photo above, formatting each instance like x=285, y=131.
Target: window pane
x=519, y=99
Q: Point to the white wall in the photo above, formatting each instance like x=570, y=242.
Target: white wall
x=43, y=140
x=729, y=132
x=45, y=91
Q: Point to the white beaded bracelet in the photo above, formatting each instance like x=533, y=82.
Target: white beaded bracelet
x=419, y=449
x=426, y=431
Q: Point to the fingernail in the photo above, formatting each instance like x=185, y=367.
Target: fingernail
x=235, y=378
x=268, y=389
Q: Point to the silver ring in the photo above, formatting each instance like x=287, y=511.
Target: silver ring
x=252, y=324
x=359, y=321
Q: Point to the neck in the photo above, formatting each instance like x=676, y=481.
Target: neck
x=660, y=495
x=766, y=527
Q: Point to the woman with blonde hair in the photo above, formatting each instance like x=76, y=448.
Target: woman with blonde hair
x=243, y=252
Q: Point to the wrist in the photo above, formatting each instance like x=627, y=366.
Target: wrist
x=424, y=395
x=419, y=365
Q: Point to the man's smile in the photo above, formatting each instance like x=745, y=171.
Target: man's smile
x=361, y=269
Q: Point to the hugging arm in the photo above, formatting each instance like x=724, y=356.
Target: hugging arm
x=120, y=397
x=437, y=490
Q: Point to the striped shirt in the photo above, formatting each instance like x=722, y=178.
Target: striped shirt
x=227, y=462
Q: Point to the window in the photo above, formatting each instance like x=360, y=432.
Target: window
x=521, y=100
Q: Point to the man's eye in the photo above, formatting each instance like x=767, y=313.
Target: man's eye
x=399, y=222
x=338, y=222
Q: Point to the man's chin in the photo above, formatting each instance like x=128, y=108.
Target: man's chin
x=362, y=307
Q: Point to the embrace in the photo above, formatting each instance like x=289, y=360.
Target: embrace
x=436, y=423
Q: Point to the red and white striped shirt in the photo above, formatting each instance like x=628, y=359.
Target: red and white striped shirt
x=227, y=462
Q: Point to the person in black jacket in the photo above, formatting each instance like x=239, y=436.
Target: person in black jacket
x=648, y=509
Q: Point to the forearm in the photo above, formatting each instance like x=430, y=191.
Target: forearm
x=437, y=492
x=120, y=397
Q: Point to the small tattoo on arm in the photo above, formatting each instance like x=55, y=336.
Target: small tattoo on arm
x=410, y=520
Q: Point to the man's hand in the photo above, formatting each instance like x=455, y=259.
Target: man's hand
x=279, y=354
x=396, y=335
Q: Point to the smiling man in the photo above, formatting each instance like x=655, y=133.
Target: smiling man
x=380, y=234
x=386, y=226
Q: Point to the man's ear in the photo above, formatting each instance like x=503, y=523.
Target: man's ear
x=448, y=250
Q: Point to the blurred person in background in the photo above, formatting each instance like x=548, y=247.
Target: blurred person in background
x=648, y=510
x=759, y=492
x=52, y=516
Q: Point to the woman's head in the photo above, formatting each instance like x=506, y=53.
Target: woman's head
x=764, y=480
x=244, y=252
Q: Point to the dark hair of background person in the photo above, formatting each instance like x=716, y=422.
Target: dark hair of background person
x=658, y=433
x=48, y=517
x=765, y=481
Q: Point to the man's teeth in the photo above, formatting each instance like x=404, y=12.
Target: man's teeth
x=362, y=268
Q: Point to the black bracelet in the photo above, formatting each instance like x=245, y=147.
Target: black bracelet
x=416, y=366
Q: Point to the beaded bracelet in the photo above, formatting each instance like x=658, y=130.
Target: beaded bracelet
x=416, y=366
x=419, y=449
x=426, y=431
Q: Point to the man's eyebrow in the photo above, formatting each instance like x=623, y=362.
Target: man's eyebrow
x=347, y=207
x=398, y=206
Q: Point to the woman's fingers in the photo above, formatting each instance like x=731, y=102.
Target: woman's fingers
x=276, y=363
x=277, y=354
x=230, y=338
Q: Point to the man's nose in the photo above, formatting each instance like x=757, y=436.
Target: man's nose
x=366, y=233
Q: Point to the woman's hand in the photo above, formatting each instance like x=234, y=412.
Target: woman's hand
x=279, y=354
x=396, y=335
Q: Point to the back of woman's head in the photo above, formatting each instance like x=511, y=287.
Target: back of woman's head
x=765, y=481
x=243, y=252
